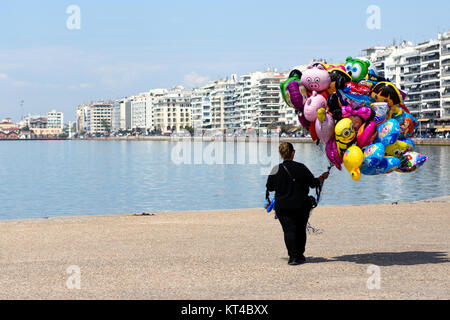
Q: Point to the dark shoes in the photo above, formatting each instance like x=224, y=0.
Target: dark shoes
x=295, y=261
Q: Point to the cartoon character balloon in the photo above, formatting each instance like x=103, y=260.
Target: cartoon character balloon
x=408, y=124
x=353, y=158
x=325, y=128
x=357, y=68
x=388, y=132
x=313, y=104
x=358, y=115
x=411, y=161
x=316, y=78
x=345, y=135
x=293, y=93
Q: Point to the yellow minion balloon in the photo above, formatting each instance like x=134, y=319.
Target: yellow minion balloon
x=345, y=134
x=353, y=159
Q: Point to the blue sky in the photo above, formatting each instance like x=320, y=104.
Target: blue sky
x=127, y=47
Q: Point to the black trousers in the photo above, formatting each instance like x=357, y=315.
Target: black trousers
x=294, y=227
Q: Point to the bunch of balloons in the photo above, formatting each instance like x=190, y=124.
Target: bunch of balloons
x=359, y=116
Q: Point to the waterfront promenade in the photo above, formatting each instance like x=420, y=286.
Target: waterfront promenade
x=235, y=254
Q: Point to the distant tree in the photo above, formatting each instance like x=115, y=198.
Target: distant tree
x=189, y=129
x=106, y=125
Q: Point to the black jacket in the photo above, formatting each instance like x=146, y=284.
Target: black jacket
x=290, y=194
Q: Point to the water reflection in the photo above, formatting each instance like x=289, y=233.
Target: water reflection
x=62, y=178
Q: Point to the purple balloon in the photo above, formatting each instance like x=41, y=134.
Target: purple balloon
x=333, y=154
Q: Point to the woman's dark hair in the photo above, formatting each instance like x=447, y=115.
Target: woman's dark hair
x=389, y=91
x=286, y=149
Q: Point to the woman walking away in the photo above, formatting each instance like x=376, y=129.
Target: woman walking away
x=291, y=182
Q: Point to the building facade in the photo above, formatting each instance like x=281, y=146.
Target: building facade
x=423, y=72
x=55, y=120
x=172, y=110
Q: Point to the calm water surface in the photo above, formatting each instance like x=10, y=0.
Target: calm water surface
x=66, y=178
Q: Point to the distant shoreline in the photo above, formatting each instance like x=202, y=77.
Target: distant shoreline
x=417, y=141
x=442, y=199
x=432, y=142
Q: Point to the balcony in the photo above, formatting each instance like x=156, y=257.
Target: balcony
x=445, y=49
x=434, y=58
x=446, y=73
x=445, y=63
x=412, y=71
x=431, y=97
x=430, y=88
x=430, y=67
x=412, y=61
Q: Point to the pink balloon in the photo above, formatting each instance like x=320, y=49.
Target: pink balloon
x=365, y=137
x=325, y=129
x=314, y=103
x=333, y=153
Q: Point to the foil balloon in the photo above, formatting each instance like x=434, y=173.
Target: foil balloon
x=408, y=124
x=345, y=134
x=312, y=131
x=373, y=155
x=333, y=154
x=411, y=161
x=325, y=129
x=353, y=158
x=397, y=149
x=358, y=99
x=381, y=111
x=387, y=165
x=294, y=94
x=312, y=105
x=388, y=132
x=301, y=118
x=366, y=134
x=410, y=144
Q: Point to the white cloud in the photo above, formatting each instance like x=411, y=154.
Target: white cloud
x=194, y=80
x=19, y=83
x=81, y=86
x=3, y=76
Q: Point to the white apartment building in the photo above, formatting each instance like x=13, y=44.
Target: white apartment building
x=172, y=110
x=201, y=109
x=258, y=102
x=139, y=112
x=98, y=118
x=115, y=117
x=445, y=75
x=142, y=109
x=423, y=72
x=213, y=106
x=80, y=118
x=55, y=120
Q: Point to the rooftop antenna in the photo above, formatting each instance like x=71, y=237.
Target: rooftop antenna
x=21, y=107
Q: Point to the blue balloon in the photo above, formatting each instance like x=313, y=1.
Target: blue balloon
x=410, y=143
x=362, y=100
x=388, y=132
x=387, y=165
x=373, y=154
x=408, y=124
